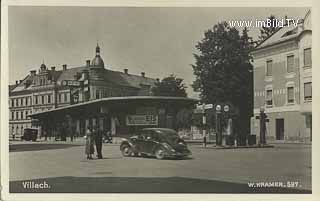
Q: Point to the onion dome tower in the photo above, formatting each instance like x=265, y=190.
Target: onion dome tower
x=97, y=66
x=97, y=61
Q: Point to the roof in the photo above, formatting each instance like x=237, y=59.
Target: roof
x=115, y=77
x=118, y=100
x=130, y=80
x=283, y=34
x=11, y=87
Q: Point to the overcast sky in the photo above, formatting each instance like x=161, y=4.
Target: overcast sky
x=158, y=41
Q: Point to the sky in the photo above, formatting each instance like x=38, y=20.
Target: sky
x=157, y=41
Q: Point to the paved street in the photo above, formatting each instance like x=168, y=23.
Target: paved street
x=64, y=167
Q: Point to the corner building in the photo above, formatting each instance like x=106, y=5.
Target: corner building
x=68, y=100
x=283, y=83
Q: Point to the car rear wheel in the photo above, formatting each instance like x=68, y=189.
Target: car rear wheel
x=126, y=150
x=159, y=154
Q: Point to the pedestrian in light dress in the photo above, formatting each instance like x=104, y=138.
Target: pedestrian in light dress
x=89, y=149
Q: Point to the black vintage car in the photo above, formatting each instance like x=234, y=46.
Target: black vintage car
x=159, y=142
x=29, y=134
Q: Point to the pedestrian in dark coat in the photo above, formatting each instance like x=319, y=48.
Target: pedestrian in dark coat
x=98, y=141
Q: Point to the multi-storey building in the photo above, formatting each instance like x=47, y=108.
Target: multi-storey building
x=283, y=82
x=50, y=89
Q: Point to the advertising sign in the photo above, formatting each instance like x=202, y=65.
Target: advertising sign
x=142, y=120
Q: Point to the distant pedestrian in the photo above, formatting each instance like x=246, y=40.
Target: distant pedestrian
x=13, y=136
x=89, y=149
x=98, y=141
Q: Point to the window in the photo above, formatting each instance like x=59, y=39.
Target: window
x=21, y=115
x=17, y=102
x=290, y=94
x=12, y=115
x=21, y=101
x=97, y=94
x=290, y=64
x=307, y=57
x=308, y=91
x=12, y=102
x=27, y=115
x=59, y=98
x=65, y=97
x=269, y=68
x=49, y=98
x=26, y=101
x=269, y=97
x=42, y=99
x=17, y=115
x=36, y=99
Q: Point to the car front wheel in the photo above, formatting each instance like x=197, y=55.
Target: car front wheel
x=159, y=154
x=126, y=150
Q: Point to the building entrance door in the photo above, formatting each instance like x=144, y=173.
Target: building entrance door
x=279, y=129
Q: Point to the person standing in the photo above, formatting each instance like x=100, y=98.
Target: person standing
x=13, y=135
x=89, y=149
x=98, y=141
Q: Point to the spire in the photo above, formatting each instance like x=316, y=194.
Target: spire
x=97, y=49
x=97, y=60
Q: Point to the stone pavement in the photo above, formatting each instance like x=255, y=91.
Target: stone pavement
x=65, y=168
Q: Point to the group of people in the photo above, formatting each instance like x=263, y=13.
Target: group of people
x=94, y=135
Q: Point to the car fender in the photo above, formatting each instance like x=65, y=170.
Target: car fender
x=159, y=145
x=125, y=141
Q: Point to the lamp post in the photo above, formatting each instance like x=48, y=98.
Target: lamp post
x=218, y=122
x=204, y=125
x=219, y=116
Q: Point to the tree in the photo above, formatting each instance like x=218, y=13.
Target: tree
x=170, y=86
x=267, y=30
x=222, y=70
x=184, y=118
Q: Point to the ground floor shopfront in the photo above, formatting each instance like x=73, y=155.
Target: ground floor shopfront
x=120, y=116
x=285, y=126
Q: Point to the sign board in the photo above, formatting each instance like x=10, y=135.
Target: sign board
x=71, y=83
x=198, y=111
x=208, y=106
x=142, y=120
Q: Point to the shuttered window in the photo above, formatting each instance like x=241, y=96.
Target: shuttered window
x=290, y=64
x=269, y=68
x=269, y=97
x=290, y=94
x=307, y=55
x=307, y=91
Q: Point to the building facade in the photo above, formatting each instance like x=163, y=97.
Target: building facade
x=283, y=83
x=49, y=89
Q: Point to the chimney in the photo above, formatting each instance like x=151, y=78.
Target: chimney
x=20, y=81
x=88, y=63
x=143, y=74
x=125, y=71
x=17, y=82
x=158, y=80
x=53, y=68
x=33, y=72
x=64, y=67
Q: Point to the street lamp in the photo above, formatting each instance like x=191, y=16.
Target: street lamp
x=219, y=112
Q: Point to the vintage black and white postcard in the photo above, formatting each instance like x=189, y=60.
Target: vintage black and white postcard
x=124, y=101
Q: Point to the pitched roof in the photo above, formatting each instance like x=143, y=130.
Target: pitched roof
x=129, y=80
x=115, y=77
x=282, y=34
